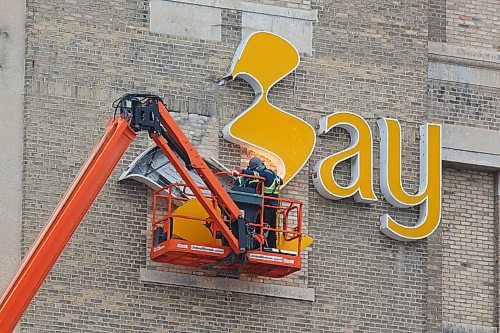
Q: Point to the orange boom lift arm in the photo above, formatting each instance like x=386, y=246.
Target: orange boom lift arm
x=137, y=112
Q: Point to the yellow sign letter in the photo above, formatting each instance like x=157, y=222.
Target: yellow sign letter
x=360, y=152
x=262, y=60
x=429, y=194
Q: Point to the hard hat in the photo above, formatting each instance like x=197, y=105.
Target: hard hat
x=254, y=163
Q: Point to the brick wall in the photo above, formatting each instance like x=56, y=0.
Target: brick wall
x=468, y=247
x=465, y=255
x=369, y=58
x=437, y=20
x=466, y=23
x=464, y=104
x=473, y=23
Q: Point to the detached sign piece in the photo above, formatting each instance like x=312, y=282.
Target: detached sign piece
x=263, y=59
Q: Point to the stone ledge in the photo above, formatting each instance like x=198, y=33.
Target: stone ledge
x=227, y=284
x=185, y=19
x=202, y=19
x=454, y=63
x=449, y=327
x=251, y=7
x=443, y=52
x=464, y=74
x=470, y=160
x=471, y=147
x=471, y=139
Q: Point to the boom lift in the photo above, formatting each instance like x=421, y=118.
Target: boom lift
x=234, y=220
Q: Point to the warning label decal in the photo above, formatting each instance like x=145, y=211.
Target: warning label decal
x=158, y=248
x=264, y=257
x=206, y=249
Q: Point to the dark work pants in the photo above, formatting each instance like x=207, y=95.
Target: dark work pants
x=270, y=218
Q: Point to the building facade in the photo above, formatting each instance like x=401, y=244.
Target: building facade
x=62, y=64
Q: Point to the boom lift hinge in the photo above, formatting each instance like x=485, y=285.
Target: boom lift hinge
x=143, y=113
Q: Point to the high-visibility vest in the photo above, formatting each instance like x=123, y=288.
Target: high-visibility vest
x=248, y=182
x=273, y=188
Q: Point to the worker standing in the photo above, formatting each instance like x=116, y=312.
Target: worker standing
x=272, y=183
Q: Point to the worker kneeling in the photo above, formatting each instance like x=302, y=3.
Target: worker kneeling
x=272, y=182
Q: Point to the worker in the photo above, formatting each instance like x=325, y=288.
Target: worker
x=243, y=181
x=272, y=183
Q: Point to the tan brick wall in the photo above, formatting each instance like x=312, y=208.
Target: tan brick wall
x=465, y=23
x=469, y=255
x=463, y=264
x=464, y=104
x=473, y=23
x=369, y=58
x=437, y=20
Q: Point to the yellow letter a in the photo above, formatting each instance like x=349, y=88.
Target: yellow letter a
x=361, y=154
